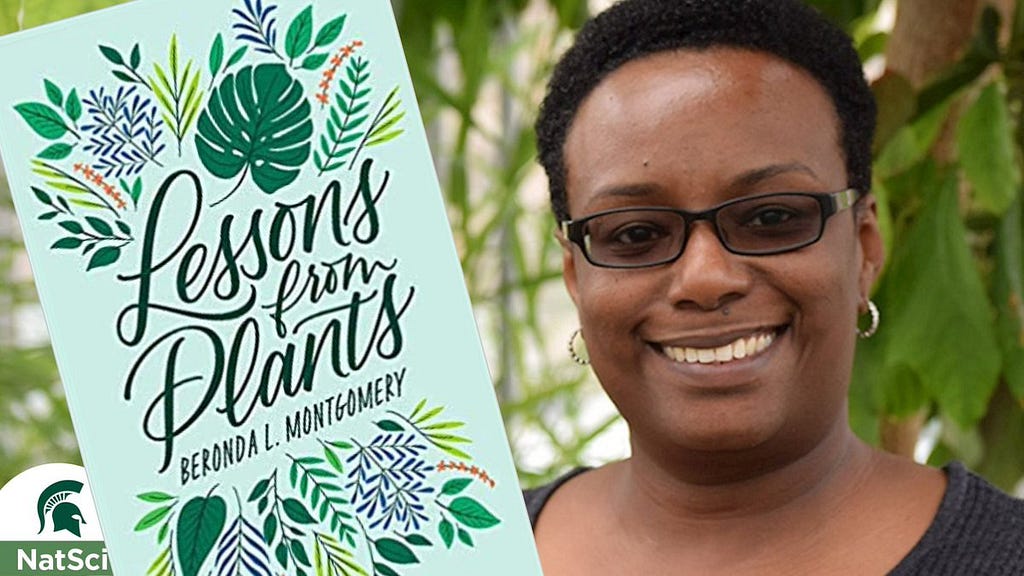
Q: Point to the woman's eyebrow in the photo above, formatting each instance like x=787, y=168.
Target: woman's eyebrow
x=638, y=190
x=758, y=175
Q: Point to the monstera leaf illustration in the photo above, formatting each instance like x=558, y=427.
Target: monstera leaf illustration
x=257, y=121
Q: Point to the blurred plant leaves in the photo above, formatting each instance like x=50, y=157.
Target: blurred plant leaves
x=987, y=153
x=938, y=318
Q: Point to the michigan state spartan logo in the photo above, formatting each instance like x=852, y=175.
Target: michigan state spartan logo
x=54, y=503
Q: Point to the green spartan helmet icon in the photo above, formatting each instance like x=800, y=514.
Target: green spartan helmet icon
x=65, y=514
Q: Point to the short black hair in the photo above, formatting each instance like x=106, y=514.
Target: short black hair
x=632, y=29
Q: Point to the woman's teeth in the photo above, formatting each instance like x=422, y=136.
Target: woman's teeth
x=741, y=348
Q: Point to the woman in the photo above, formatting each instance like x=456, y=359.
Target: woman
x=709, y=163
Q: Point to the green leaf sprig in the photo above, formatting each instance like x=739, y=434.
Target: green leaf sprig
x=217, y=64
x=437, y=433
x=330, y=558
x=320, y=485
x=54, y=120
x=300, y=44
x=382, y=130
x=346, y=115
x=178, y=93
x=282, y=524
x=126, y=70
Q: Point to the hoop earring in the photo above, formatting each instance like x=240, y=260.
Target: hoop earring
x=580, y=356
x=875, y=318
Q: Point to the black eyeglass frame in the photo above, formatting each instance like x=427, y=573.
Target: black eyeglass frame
x=831, y=203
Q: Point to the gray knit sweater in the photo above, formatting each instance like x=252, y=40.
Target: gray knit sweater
x=978, y=530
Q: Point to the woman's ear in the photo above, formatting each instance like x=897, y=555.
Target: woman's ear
x=568, y=265
x=872, y=249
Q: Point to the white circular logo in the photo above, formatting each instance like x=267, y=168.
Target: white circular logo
x=49, y=502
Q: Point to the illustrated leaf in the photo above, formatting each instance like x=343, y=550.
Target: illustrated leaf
x=270, y=529
x=112, y=55
x=153, y=518
x=471, y=513
x=161, y=565
x=300, y=32
x=58, y=151
x=155, y=497
x=314, y=61
x=384, y=570
x=42, y=196
x=456, y=485
x=53, y=94
x=104, y=257
x=136, y=57
x=330, y=31
x=395, y=551
x=44, y=120
x=216, y=55
x=417, y=540
x=389, y=426
x=297, y=512
x=73, y=105
x=259, y=490
x=281, y=552
x=333, y=460
x=125, y=77
x=99, y=226
x=68, y=243
x=299, y=552
x=236, y=56
x=257, y=120
x=447, y=531
x=199, y=525
x=72, y=226
x=466, y=538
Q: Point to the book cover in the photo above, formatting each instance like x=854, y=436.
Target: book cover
x=254, y=299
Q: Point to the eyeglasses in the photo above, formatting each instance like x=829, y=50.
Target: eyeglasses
x=754, y=226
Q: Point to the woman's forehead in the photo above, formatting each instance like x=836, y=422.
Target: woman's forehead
x=709, y=114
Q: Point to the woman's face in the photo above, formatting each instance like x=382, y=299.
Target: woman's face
x=691, y=130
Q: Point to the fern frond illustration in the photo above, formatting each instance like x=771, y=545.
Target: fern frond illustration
x=241, y=550
x=124, y=134
x=91, y=183
x=439, y=434
x=388, y=481
x=283, y=522
x=177, y=90
x=330, y=558
x=383, y=128
x=347, y=115
x=257, y=25
x=319, y=486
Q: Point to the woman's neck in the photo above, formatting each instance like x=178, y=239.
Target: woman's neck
x=703, y=490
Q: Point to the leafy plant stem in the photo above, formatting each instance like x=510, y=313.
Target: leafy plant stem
x=366, y=136
x=348, y=117
x=245, y=173
x=74, y=179
x=318, y=486
x=129, y=138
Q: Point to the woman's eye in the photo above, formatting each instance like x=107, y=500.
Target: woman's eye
x=637, y=234
x=771, y=217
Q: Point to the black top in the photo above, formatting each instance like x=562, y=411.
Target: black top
x=978, y=530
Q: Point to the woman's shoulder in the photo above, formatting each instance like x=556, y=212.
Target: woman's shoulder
x=978, y=529
x=538, y=496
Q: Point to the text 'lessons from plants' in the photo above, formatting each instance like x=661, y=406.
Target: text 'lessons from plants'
x=253, y=296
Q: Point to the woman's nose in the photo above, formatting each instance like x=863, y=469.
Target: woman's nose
x=707, y=276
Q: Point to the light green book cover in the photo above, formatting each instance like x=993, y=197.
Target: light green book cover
x=254, y=299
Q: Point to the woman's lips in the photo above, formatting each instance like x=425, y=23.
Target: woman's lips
x=742, y=347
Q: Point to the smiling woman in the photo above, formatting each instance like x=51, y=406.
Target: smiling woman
x=709, y=164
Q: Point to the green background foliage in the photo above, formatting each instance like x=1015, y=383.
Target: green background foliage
x=951, y=349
